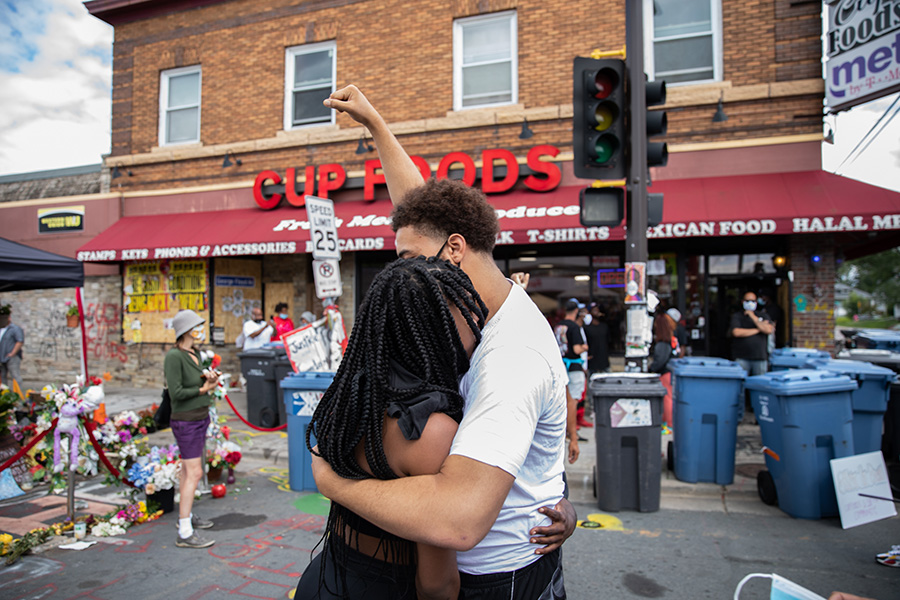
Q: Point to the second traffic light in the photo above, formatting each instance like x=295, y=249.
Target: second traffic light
x=598, y=133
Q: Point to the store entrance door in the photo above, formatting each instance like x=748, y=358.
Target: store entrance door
x=725, y=296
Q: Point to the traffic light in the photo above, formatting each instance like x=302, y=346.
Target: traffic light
x=602, y=206
x=598, y=132
x=657, y=152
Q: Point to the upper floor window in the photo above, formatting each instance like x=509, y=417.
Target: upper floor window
x=179, y=106
x=309, y=79
x=684, y=40
x=485, y=61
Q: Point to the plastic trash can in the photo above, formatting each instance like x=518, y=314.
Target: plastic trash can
x=890, y=441
x=302, y=392
x=283, y=368
x=627, y=422
x=877, y=339
x=258, y=368
x=869, y=400
x=707, y=393
x=882, y=358
x=793, y=358
x=806, y=419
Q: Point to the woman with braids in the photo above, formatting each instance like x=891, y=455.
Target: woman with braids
x=392, y=411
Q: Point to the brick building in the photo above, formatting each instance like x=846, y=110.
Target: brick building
x=218, y=132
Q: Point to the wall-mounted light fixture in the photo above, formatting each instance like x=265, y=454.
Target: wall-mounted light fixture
x=363, y=146
x=720, y=115
x=227, y=162
x=779, y=261
x=117, y=173
x=526, y=131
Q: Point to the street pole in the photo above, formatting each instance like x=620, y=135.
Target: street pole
x=636, y=183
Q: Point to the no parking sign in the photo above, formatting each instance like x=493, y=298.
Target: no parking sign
x=327, y=274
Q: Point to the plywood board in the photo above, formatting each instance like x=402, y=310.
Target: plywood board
x=153, y=293
x=238, y=290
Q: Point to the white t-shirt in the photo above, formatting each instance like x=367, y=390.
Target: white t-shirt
x=251, y=327
x=515, y=419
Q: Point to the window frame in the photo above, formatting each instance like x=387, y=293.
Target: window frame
x=164, y=107
x=717, y=51
x=289, y=55
x=511, y=16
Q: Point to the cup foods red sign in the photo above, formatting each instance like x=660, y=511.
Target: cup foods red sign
x=319, y=181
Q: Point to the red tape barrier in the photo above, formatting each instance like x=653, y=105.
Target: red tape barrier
x=28, y=447
x=248, y=423
x=89, y=427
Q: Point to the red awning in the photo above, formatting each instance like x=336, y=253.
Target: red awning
x=782, y=203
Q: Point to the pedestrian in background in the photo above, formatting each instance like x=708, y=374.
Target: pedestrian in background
x=597, y=332
x=572, y=345
x=281, y=321
x=12, y=338
x=189, y=389
x=749, y=329
x=256, y=332
x=665, y=348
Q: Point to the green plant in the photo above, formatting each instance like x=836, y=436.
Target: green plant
x=5, y=309
x=8, y=401
x=71, y=309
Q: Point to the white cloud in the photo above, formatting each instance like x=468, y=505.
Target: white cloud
x=879, y=163
x=55, y=96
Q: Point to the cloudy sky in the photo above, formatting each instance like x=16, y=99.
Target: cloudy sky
x=55, y=74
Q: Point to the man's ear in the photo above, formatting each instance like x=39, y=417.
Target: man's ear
x=456, y=248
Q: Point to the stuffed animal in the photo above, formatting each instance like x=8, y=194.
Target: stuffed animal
x=68, y=423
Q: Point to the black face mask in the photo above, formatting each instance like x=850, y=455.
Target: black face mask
x=258, y=320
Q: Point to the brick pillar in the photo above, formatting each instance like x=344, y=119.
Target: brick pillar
x=812, y=302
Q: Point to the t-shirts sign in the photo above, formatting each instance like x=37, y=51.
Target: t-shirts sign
x=323, y=228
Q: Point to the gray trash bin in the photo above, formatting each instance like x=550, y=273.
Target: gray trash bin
x=258, y=368
x=627, y=428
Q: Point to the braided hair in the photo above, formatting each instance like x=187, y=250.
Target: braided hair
x=404, y=318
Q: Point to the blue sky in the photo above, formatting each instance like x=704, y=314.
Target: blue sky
x=55, y=97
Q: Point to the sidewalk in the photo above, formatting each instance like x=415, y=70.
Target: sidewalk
x=741, y=496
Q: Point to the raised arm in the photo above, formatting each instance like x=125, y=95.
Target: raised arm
x=400, y=172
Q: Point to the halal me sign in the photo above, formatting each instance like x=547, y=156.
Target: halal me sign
x=863, y=51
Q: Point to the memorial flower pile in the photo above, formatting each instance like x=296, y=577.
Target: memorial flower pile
x=159, y=470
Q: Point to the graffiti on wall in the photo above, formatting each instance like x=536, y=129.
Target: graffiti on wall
x=102, y=326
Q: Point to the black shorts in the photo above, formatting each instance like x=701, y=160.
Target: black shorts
x=541, y=580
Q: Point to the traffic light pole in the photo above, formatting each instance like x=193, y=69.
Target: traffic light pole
x=636, y=181
x=636, y=234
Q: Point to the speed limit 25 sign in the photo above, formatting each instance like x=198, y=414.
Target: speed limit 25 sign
x=322, y=228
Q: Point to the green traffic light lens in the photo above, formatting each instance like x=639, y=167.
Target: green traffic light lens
x=604, y=115
x=604, y=148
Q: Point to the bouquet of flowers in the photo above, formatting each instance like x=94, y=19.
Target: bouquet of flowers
x=157, y=471
x=225, y=454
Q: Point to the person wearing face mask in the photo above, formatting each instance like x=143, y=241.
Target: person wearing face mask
x=281, y=321
x=256, y=331
x=189, y=388
x=750, y=329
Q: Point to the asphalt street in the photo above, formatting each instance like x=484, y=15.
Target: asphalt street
x=700, y=544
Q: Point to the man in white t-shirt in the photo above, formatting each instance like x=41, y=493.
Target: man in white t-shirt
x=257, y=332
x=495, y=490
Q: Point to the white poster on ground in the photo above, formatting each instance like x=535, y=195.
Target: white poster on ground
x=863, y=489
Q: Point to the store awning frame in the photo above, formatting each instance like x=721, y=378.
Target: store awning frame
x=744, y=205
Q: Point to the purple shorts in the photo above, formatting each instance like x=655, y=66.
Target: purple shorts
x=190, y=437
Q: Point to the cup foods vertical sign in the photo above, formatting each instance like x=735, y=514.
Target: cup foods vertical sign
x=862, y=48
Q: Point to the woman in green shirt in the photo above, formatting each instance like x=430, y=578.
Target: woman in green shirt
x=189, y=386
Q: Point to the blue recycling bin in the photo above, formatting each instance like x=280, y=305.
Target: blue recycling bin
x=877, y=339
x=793, y=358
x=869, y=400
x=707, y=394
x=302, y=392
x=806, y=419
